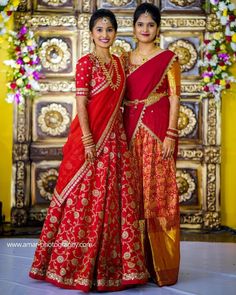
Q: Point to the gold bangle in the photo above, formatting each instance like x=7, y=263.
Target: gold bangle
x=89, y=146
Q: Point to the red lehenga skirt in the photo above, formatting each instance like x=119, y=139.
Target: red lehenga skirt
x=92, y=240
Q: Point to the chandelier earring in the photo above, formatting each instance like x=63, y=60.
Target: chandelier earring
x=157, y=41
x=135, y=39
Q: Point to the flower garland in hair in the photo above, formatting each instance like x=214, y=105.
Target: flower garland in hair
x=25, y=66
x=219, y=50
x=6, y=9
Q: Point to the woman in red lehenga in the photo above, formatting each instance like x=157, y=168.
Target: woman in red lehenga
x=91, y=236
x=151, y=109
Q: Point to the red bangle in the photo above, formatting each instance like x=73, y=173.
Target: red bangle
x=173, y=130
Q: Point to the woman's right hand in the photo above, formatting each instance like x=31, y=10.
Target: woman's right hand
x=90, y=154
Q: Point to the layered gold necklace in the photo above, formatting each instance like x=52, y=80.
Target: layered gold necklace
x=109, y=76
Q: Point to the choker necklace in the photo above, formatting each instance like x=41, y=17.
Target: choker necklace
x=116, y=85
x=144, y=57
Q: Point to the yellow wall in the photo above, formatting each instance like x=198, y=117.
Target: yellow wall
x=228, y=170
x=6, y=118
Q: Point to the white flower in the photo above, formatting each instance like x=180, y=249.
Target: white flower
x=222, y=6
x=228, y=32
x=218, y=14
x=3, y=2
x=223, y=20
x=35, y=85
x=233, y=46
x=24, y=49
x=11, y=63
x=31, y=34
x=231, y=7
x=10, y=98
x=233, y=24
x=2, y=31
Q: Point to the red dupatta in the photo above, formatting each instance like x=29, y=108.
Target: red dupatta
x=139, y=84
x=102, y=111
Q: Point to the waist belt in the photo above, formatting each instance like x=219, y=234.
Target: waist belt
x=152, y=98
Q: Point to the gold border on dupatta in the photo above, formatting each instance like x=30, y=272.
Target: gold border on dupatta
x=99, y=146
x=140, y=123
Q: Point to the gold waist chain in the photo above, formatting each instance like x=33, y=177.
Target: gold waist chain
x=152, y=98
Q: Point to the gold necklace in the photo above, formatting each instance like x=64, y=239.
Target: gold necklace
x=116, y=85
x=144, y=57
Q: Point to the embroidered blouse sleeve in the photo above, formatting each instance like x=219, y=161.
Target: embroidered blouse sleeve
x=125, y=60
x=174, y=78
x=83, y=76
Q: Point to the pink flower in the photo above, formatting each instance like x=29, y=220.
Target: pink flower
x=209, y=55
x=13, y=85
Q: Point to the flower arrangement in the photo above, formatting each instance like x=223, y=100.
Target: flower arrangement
x=6, y=9
x=219, y=50
x=25, y=65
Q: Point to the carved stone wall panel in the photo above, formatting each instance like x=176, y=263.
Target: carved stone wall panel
x=123, y=42
x=189, y=180
x=185, y=45
x=54, y=5
x=54, y=21
x=25, y=5
x=39, y=151
x=52, y=115
x=58, y=52
x=84, y=43
x=183, y=22
x=43, y=180
x=63, y=33
x=120, y=5
x=212, y=124
x=190, y=88
x=87, y=6
x=190, y=121
x=181, y=5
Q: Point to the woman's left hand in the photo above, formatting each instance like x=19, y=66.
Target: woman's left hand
x=168, y=148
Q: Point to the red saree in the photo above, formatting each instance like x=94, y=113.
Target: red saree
x=146, y=119
x=91, y=237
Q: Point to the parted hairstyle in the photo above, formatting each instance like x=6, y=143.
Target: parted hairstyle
x=148, y=8
x=100, y=13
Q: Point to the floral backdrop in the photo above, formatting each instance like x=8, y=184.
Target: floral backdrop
x=219, y=50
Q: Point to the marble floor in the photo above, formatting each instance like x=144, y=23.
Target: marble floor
x=206, y=268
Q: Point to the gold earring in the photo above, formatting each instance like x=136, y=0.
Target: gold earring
x=135, y=39
x=157, y=41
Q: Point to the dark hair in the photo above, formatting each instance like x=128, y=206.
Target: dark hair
x=100, y=13
x=150, y=8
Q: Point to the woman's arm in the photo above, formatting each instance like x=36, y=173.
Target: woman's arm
x=173, y=76
x=83, y=76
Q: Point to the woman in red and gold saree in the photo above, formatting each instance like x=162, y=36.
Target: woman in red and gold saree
x=91, y=236
x=150, y=117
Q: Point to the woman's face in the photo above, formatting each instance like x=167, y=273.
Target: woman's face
x=145, y=28
x=103, y=33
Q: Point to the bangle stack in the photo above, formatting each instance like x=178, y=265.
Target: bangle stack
x=88, y=141
x=172, y=133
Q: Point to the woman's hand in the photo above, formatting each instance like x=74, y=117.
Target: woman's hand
x=168, y=148
x=90, y=153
